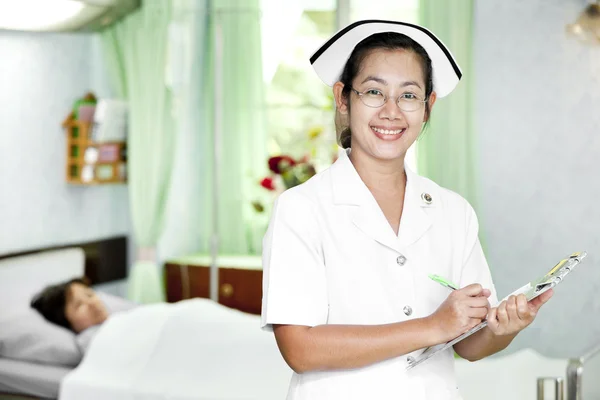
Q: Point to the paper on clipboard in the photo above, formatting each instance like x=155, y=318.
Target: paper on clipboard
x=531, y=290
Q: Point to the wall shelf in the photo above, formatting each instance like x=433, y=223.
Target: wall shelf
x=91, y=163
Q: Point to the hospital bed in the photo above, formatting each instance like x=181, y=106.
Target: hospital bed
x=225, y=355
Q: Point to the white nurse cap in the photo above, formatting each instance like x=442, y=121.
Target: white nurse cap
x=329, y=60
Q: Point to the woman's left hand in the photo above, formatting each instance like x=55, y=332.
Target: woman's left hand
x=515, y=313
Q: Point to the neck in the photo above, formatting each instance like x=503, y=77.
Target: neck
x=382, y=176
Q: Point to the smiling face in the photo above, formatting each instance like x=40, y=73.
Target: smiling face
x=386, y=132
x=83, y=307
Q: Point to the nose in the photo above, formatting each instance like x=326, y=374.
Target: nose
x=90, y=302
x=390, y=110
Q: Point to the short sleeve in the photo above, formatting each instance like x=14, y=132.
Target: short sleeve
x=475, y=267
x=294, y=279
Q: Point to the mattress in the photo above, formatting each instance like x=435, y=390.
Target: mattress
x=31, y=379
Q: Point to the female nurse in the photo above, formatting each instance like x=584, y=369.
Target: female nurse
x=347, y=254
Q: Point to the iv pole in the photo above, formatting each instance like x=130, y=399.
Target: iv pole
x=216, y=187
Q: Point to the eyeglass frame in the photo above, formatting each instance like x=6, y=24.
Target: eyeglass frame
x=386, y=98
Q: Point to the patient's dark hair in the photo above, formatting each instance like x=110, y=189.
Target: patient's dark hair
x=385, y=41
x=51, y=301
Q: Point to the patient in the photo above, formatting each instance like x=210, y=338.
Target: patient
x=72, y=304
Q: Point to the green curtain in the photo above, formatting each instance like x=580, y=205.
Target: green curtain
x=187, y=224
x=446, y=150
x=136, y=54
x=235, y=24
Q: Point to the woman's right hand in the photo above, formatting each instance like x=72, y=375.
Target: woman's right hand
x=461, y=311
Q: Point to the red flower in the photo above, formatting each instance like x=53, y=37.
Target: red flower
x=278, y=164
x=268, y=183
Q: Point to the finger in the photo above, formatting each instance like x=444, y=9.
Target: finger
x=473, y=322
x=511, y=308
x=492, y=319
x=478, y=302
x=541, y=300
x=473, y=289
x=486, y=293
x=522, y=308
x=478, y=312
x=502, y=314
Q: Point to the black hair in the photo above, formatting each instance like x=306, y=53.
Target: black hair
x=386, y=41
x=51, y=301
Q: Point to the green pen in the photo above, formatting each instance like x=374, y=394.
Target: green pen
x=443, y=281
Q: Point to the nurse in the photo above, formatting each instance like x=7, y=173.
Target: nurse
x=347, y=254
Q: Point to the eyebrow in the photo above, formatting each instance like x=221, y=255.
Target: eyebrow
x=384, y=82
x=374, y=78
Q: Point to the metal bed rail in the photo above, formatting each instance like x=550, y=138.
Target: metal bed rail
x=574, y=379
x=575, y=369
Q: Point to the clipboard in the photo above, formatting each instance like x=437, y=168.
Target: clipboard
x=531, y=290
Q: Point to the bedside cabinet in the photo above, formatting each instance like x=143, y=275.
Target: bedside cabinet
x=240, y=280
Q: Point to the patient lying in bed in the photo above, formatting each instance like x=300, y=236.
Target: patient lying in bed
x=59, y=325
x=72, y=304
x=192, y=349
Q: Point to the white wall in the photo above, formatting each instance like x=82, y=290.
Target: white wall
x=538, y=118
x=41, y=75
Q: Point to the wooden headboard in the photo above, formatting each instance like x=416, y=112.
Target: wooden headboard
x=105, y=259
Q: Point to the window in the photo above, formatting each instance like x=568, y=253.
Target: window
x=299, y=106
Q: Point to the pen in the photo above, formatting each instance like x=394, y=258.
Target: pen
x=443, y=282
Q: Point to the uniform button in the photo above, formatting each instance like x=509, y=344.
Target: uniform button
x=401, y=259
x=426, y=197
x=407, y=310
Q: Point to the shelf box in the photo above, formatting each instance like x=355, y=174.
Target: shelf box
x=74, y=151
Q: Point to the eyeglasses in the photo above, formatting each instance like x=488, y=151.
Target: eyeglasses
x=375, y=98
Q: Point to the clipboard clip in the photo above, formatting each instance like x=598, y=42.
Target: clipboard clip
x=558, y=272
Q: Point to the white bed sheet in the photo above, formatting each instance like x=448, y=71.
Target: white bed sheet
x=31, y=379
x=194, y=349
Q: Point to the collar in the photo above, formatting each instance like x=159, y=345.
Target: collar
x=420, y=198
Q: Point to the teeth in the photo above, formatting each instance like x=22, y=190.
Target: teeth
x=387, y=132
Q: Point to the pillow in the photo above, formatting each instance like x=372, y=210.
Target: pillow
x=29, y=337
x=84, y=339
